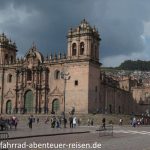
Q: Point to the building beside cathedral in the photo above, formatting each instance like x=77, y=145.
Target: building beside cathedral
x=35, y=84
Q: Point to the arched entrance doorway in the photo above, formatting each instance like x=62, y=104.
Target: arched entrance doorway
x=55, y=105
x=28, y=102
x=8, y=107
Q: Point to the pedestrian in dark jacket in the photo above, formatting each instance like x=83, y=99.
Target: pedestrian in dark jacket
x=30, y=119
x=71, y=121
x=103, y=123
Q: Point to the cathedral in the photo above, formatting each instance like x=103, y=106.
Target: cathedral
x=55, y=84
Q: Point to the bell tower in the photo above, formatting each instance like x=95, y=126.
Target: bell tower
x=8, y=50
x=83, y=42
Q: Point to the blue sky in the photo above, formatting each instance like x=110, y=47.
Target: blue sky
x=124, y=25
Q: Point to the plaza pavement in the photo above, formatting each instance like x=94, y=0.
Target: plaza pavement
x=41, y=129
x=124, y=137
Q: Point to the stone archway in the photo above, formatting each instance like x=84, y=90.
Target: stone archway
x=55, y=105
x=28, y=102
x=8, y=107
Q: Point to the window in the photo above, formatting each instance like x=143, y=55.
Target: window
x=11, y=59
x=29, y=75
x=95, y=88
x=57, y=74
x=76, y=82
x=9, y=79
x=95, y=51
x=74, y=49
x=81, y=48
x=19, y=78
x=110, y=108
x=119, y=110
x=92, y=50
x=6, y=59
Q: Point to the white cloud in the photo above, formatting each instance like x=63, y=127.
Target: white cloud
x=146, y=29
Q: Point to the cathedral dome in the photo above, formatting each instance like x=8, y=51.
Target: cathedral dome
x=34, y=53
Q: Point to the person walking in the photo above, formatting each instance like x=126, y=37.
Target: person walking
x=57, y=123
x=71, y=121
x=134, y=122
x=79, y=121
x=65, y=122
x=74, y=122
x=103, y=123
x=92, y=122
x=30, y=119
x=120, y=122
x=88, y=122
x=37, y=120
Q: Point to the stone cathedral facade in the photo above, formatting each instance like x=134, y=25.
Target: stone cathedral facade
x=35, y=84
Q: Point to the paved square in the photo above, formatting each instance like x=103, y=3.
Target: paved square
x=124, y=138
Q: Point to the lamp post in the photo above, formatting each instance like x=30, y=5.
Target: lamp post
x=66, y=77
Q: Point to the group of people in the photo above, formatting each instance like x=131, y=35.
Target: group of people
x=137, y=121
x=73, y=121
x=6, y=123
x=57, y=122
x=90, y=122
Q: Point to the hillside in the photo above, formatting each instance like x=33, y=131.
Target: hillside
x=135, y=65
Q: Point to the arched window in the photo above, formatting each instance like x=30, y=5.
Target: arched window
x=29, y=75
x=74, y=49
x=81, y=48
x=6, y=59
x=95, y=51
x=9, y=78
x=57, y=74
x=11, y=59
x=92, y=49
x=119, y=109
x=19, y=78
x=110, y=108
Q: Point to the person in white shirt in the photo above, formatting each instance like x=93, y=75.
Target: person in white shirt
x=74, y=122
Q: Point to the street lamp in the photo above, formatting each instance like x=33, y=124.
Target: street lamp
x=66, y=77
